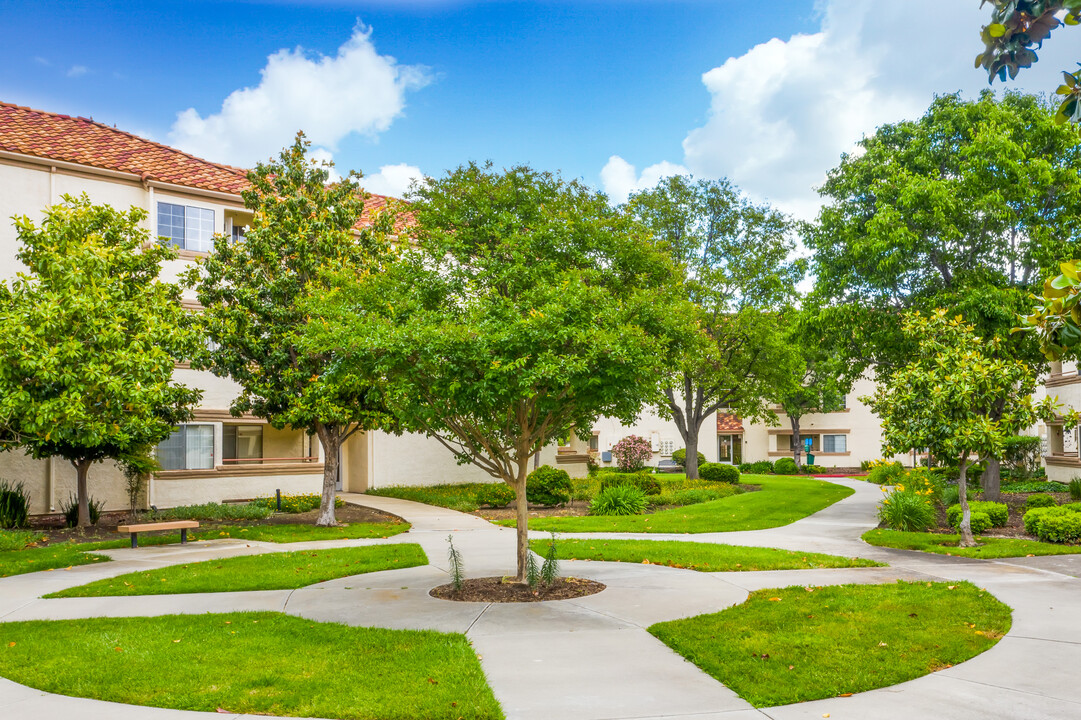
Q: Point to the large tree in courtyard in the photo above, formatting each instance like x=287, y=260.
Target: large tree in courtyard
x=960, y=397
x=523, y=307
x=90, y=339
x=966, y=208
x=303, y=227
x=738, y=279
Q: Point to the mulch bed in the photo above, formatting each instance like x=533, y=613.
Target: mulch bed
x=53, y=525
x=506, y=590
x=1015, y=526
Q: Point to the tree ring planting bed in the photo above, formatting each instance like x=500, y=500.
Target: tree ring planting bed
x=506, y=590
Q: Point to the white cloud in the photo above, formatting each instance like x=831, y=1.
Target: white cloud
x=620, y=178
x=77, y=71
x=356, y=91
x=393, y=180
x=782, y=113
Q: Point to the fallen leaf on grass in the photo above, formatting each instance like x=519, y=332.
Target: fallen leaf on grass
x=775, y=599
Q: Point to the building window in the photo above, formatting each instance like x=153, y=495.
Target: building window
x=835, y=443
x=594, y=442
x=186, y=227
x=667, y=446
x=241, y=443
x=190, y=447
x=782, y=443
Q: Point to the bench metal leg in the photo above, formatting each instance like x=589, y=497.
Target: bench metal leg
x=183, y=536
x=135, y=540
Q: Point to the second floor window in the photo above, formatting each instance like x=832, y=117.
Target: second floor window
x=186, y=227
x=190, y=447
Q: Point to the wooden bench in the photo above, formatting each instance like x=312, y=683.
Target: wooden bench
x=181, y=525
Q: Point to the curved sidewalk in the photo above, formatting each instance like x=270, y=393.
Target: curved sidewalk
x=591, y=658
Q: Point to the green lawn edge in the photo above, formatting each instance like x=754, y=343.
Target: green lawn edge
x=703, y=557
x=782, y=499
x=252, y=663
x=270, y=571
x=946, y=544
x=795, y=644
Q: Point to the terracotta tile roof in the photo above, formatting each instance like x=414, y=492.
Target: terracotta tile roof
x=83, y=141
x=729, y=424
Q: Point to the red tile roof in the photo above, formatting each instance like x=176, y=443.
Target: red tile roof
x=729, y=424
x=83, y=141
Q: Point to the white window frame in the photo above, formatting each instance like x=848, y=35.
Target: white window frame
x=844, y=441
x=197, y=230
x=185, y=450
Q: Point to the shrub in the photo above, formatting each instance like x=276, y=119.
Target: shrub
x=785, y=466
x=619, y=500
x=865, y=465
x=812, y=469
x=301, y=502
x=548, y=486
x=632, y=453
x=884, y=472
x=922, y=482
x=1055, y=524
x=679, y=457
x=254, y=510
x=14, y=505
x=643, y=481
x=1075, y=488
x=70, y=509
x=744, y=467
x=495, y=495
x=1037, y=500
x=998, y=514
x=719, y=472
x=762, y=467
x=907, y=511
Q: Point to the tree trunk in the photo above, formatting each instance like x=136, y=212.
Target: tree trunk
x=991, y=480
x=521, y=505
x=82, y=469
x=331, y=442
x=797, y=442
x=966, y=516
x=690, y=464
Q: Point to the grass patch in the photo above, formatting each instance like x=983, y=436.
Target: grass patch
x=782, y=499
x=274, y=571
x=257, y=663
x=35, y=559
x=947, y=545
x=796, y=644
x=462, y=498
x=289, y=533
x=704, y=557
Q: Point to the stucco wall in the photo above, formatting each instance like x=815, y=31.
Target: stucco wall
x=192, y=491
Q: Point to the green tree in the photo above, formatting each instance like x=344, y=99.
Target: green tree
x=90, y=340
x=302, y=227
x=1056, y=318
x=522, y=309
x=960, y=396
x=1017, y=29
x=965, y=208
x=738, y=280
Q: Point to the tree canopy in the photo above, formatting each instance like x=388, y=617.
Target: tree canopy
x=91, y=338
x=303, y=227
x=523, y=307
x=738, y=280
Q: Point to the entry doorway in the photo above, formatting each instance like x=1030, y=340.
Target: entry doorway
x=730, y=449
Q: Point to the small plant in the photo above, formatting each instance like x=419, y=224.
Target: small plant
x=761, y=467
x=14, y=505
x=679, y=457
x=812, y=469
x=906, y=510
x=619, y=500
x=137, y=468
x=495, y=495
x=998, y=514
x=719, y=472
x=298, y=503
x=643, y=481
x=550, y=569
x=70, y=509
x=884, y=472
x=923, y=482
x=785, y=466
x=532, y=570
x=1037, y=500
x=632, y=453
x=1075, y=489
x=454, y=558
x=548, y=486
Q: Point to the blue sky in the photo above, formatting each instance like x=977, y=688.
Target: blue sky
x=768, y=94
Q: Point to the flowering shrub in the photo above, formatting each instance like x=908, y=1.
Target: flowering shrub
x=298, y=503
x=908, y=508
x=884, y=472
x=631, y=453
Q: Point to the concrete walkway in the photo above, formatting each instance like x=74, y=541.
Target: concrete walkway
x=591, y=658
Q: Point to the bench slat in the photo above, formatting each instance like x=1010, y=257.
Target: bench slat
x=144, y=527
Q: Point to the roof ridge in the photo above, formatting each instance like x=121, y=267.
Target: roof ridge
x=112, y=128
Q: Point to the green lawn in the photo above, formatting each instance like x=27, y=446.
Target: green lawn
x=705, y=557
x=273, y=571
x=461, y=497
x=796, y=644
x=257, y=663
x=947, y=545
x=783, y=499
x=300, y=532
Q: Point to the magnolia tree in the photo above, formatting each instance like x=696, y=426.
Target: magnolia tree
x=90, y=340
x=632, y=453
x=959, y=397
x=522, y=307
x=302, y=228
